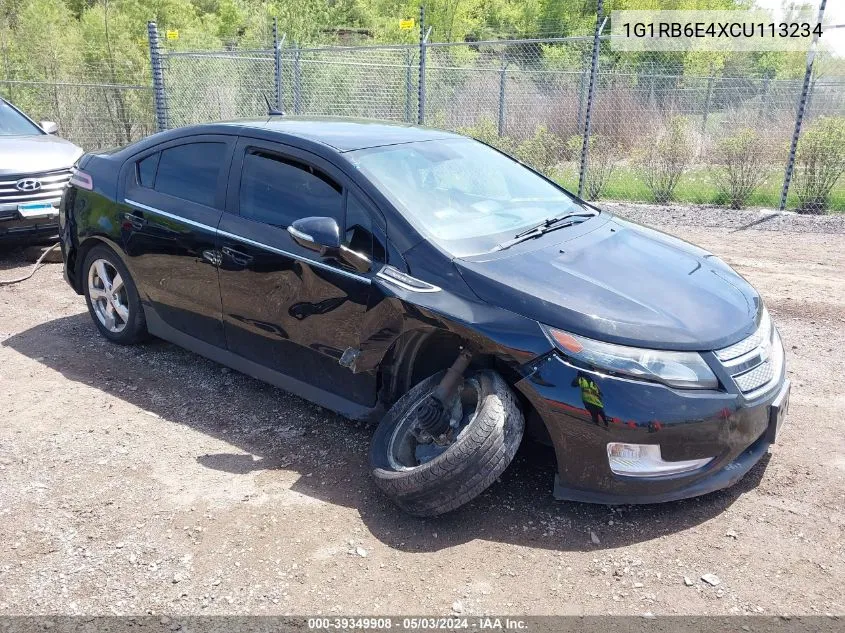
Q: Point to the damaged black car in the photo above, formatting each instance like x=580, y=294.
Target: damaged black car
x=435, y=285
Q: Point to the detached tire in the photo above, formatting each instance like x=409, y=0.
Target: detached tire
x=467, y=467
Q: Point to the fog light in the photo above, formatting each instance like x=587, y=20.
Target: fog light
x=644, y=460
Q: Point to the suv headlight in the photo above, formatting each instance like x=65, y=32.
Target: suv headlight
x=685, y=370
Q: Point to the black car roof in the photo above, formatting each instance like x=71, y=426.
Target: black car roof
x=344, y=134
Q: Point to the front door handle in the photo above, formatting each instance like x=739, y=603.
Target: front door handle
x=242, y=259
x=212, y=257
x=137, y=221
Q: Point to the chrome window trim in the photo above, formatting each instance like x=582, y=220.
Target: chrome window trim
x=246, y=240
x=172, y=216
x=279, y=251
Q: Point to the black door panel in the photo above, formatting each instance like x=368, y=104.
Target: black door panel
x=285, y=306
x=292, y=314
x=176, y=270
x=172, y=239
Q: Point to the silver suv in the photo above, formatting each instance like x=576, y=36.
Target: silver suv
x=35, y=166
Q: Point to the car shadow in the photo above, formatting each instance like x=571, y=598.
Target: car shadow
x=277, y=430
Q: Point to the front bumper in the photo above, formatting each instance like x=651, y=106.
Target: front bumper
x=686, y=424
x=15, y=226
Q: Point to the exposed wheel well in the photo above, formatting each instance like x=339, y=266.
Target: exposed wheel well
x=418, y=355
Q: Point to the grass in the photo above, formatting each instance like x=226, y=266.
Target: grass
x=697, y=186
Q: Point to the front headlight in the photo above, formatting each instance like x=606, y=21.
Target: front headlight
x=685, y=370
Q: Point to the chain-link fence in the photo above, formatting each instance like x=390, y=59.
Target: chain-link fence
x=92, y=115
x=659, y=131
x=204, y=86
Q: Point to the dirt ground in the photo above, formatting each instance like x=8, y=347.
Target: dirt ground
x=149, y=480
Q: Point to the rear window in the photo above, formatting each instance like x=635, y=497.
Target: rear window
x=191, y=171
x=147, y=170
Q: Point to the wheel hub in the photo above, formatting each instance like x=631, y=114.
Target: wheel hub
x=411, y=446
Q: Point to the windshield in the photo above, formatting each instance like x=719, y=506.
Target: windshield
x=462, y=194
x=13, y=123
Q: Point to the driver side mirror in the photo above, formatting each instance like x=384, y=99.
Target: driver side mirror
x=51, y=127
x=319, y=234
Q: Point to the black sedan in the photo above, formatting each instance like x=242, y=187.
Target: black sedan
x=429, y=282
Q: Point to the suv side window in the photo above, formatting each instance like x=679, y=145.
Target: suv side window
x=147, y=170
x=191, y=171
x=277, y=190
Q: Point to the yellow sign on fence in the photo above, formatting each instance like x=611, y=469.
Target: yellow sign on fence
x=406, y=25
x=172, y=34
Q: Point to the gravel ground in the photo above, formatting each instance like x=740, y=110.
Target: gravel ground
x=149, y=480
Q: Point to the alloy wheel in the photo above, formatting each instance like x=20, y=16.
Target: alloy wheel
x=108, y=295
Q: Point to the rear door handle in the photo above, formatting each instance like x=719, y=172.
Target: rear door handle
x=137, y=221
x=242, y=259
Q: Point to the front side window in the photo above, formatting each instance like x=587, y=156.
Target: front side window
x=191, y=171
x=13, y=123
x=462, y=194
x=277, y=190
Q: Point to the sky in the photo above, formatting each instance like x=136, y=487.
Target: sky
x=834, y=13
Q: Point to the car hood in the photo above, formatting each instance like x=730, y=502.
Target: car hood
x=623, y=283
x=21, y=155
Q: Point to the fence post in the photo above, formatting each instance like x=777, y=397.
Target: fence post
x=409, y=90
x=277, y=64
x=158, y=77
x=421, y=83
x=585, y=146
x=811, y=91
x=799, y=117
x=502, y=82
x=297, y=82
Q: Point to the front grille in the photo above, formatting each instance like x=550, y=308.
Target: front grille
x=761, y=375
x=51, y=186
x=756, y=361
x=743, y=347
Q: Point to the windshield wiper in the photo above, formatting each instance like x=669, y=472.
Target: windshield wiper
x=549, y=224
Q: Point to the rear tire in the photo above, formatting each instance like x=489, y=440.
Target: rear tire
x=112, y=297
x=469, y=465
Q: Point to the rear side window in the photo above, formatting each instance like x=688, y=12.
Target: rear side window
x=147, y=170
x=277, y=190
x=191, y=171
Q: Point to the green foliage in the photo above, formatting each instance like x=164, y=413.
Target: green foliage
x=542, y=151
x=741, y=157
x=664, y=160
x=819, y=163
x=487, y=131
x=603, y=155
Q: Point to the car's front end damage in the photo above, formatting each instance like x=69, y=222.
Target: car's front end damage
x=629, y=424
x=622, y=440
x=653, y=367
